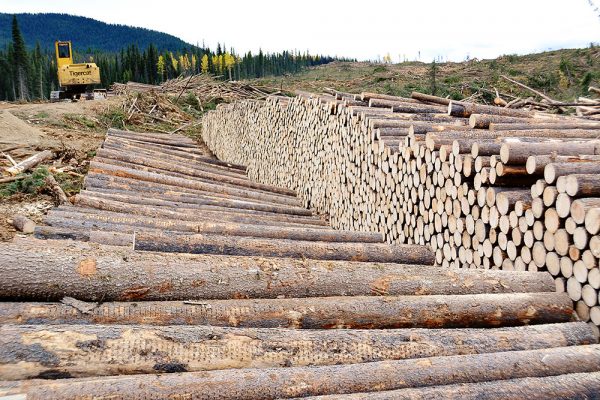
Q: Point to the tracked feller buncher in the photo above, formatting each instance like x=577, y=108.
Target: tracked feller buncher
x=74, y=79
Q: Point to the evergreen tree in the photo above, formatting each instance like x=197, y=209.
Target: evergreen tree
x=21, y=63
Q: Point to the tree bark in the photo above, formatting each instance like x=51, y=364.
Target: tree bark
x=276, y=383
x=107, y=169
x=93, y=273
x=103, y=350
x=243, y=246
x=563, y=387
x=357, y=312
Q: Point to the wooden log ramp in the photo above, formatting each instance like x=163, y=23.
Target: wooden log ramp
x=311, y=272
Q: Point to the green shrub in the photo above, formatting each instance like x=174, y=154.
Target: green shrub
x=113, y=118
x=30, y=185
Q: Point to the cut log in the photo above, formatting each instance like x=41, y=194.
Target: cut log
x=30, y=162
x=274, y=383
x=244, y=246
x=555, y=170
x=23, y=224
x=518, y=152
x=107, y=169
x=569, y=386
x=104, y=350
x=92, y=273
x=358, y=312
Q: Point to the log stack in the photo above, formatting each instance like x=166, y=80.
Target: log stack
x=175, y=276
x=468, y=180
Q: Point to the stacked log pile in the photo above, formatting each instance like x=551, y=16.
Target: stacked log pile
x=262, y=300
x=459, y=177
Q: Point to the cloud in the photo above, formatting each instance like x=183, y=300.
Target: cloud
x=364, y=30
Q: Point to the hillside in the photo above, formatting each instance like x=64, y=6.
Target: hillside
x=86, y=33
x=561, y=74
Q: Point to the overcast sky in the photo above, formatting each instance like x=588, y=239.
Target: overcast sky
x=360, y=29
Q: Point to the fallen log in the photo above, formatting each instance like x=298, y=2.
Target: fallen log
x=357, y=312
x=54, y=187
x=30, y=162
x=244, y=246
x=276, y=383
x=104, y=350
x=92, y=273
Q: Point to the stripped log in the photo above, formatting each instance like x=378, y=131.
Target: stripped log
x=358, y=312
x=272, y=383
x=104, y=350
x=30, y=162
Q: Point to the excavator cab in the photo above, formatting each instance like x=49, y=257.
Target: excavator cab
x=74, y=79
x=63, y=53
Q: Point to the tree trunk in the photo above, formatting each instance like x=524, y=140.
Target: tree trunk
x=244, y=246
x=101, y=350
x=93, y=273
x=357, y=312
x=277, y=383
x=565, y=387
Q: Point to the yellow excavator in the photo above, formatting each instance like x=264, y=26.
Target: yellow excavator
x=74, y=79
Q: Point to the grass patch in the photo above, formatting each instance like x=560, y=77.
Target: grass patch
x=113, y=118
x=80, y=120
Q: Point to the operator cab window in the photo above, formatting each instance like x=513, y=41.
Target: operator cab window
x=63, y=50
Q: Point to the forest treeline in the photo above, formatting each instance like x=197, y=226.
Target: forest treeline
x=30, y=74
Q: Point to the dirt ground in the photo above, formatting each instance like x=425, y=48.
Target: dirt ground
x=72, y=130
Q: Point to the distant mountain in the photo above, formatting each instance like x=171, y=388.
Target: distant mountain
x=85, y=33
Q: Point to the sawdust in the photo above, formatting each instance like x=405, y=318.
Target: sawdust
x=33, y=208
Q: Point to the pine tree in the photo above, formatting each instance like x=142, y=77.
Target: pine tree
x=21, y=63
x=432, y=78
